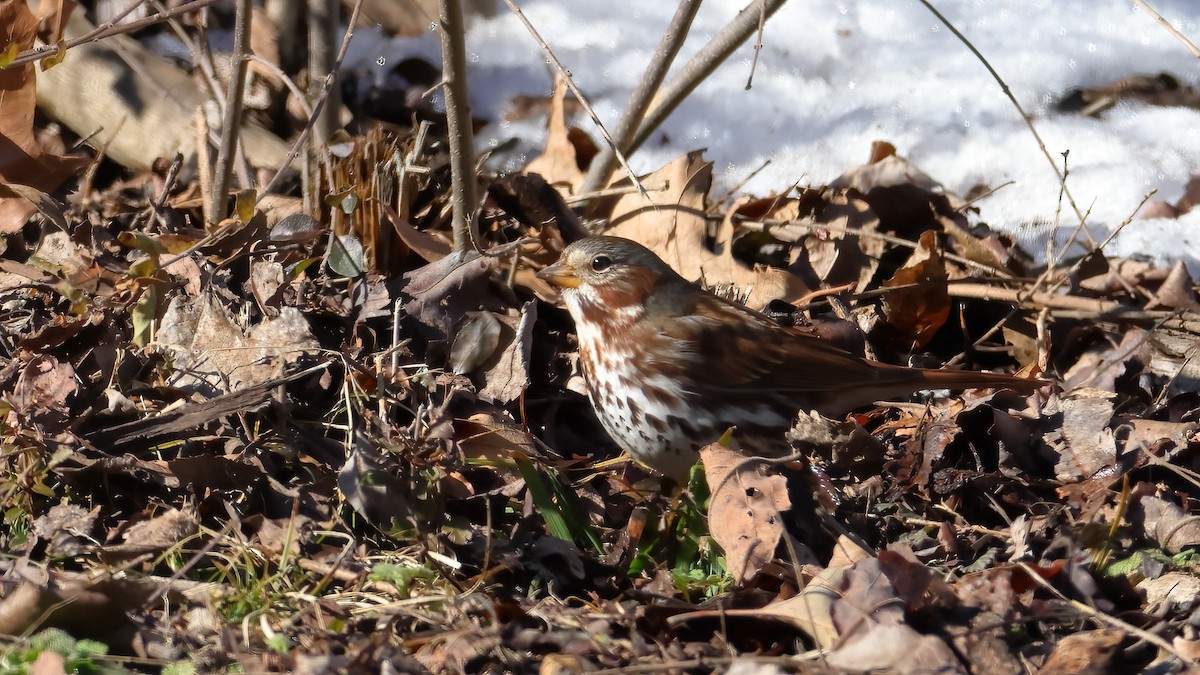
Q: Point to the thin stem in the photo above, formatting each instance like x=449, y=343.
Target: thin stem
x=231, y=124
x=108, y=30
x=1025, y=117
x=566, y=75
x=1168, y=27
x=318, y=105
x=602, y=166
x=703, y=64
x=458, y=122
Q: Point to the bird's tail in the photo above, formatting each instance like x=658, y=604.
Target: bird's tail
x=967, y=379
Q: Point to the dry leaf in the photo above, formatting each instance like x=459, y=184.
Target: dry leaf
x=845, y=254
x=744, y=514
x=506, y=374
x=559, y=163
x=918, y=304
x=44, y=384
x=1164, y=523
x=672, y=223
x=1084, y=442
x=1086, y=653
x=212, y=355
x=443, y=292
x=21, y=156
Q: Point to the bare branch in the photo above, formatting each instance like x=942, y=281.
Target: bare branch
x=231, y=123
x=603, y=164
x=458, y=122
x=703, y=64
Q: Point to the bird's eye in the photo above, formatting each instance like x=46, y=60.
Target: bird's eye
x=601, y=263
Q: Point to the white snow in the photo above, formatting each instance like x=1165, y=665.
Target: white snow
x=835, y=75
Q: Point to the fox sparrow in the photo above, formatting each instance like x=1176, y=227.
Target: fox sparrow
x=669, y=367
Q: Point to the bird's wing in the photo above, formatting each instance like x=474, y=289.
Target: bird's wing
x=739, y=349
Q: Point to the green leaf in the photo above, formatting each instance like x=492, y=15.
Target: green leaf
x=556, y=522
x=346, y=256
x=143, y=315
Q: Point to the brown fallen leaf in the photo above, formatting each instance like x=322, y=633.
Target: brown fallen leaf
x=44, y=384
x=1084, y=442
x=1164, y=523
x=506, y=374
x=444, y=291
x=918, y=303
x=213, y=355
x=673, y=224
x=835, y=232
x=745, y=511
x=1086, y=653
x=564, y=159
x=67, y=529
x=22, y=157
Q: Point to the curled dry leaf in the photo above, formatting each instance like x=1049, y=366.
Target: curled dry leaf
x=744, y=513
x=851, y=609
x=835, y=230
x=1164, y=523
x=443, y=292
x=506, y=374
x=492, y=436
x=1086, y=653
x=672, y=223
x=22, y=158
x=872, y=635
x=918, y=303
x=497, y=347
x=1177, y=589
x=890, y=171
x=67, y=529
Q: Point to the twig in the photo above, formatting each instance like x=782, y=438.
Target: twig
x=458, y=121
x=762, y=21
x=776, y=227
x=1051, y=263
x=1013, y=99
x=719, y=201
x=603, y=164
x=703, y=64
x=318, y=106
x=1113, y=621
x=231, y=124
x=1168, y=27
x=1024, y=297
x=107, y=30
x=566, y=75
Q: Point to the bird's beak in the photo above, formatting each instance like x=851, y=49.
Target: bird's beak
x=560, y=275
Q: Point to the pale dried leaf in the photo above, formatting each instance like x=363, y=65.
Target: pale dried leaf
x=506, y=375
x=745, y=510
x=672, y=223
x=1180, y=590
x=1084, y=442
x=44, y=384
x=1164, y=523
x=559, y=163
x=212, y=355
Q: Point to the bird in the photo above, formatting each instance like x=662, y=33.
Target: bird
x=669, y=367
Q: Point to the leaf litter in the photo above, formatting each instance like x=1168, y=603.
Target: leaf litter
x=323, y=441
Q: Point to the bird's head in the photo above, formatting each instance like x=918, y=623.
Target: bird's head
x=609, y=274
